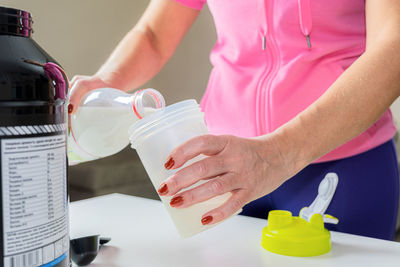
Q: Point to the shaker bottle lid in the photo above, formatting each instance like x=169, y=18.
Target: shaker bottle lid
x=15, y=22
x=163, y=117
x=305, y=235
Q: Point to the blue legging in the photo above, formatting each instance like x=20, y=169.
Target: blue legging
x=366, y=199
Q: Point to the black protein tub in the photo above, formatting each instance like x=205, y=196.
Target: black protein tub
x=33, y=163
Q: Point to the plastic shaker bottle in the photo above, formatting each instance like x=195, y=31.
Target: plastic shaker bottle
x=154, y=137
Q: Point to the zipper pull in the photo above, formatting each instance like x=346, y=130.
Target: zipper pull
x=264, y=42
x=308, y=41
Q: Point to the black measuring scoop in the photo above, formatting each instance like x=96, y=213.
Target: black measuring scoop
x=84, y=250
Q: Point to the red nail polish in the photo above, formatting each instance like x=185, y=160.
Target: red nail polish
x=169, y=164
x=206, y=220
x=163, y=189
x=70, y=108
x=176, y=201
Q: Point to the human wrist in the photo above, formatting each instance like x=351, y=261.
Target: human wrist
x=291, y=149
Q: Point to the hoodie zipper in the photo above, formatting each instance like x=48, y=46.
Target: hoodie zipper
x=272, y=55
x=271, y=52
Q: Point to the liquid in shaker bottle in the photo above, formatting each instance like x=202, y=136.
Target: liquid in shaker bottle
x=154, y=137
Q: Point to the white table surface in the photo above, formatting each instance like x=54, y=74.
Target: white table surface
x=143, y=235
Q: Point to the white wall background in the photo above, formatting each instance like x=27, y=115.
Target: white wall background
x=80, y=34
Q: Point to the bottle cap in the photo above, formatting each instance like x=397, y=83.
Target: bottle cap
x=302, y=236
x=293, y=236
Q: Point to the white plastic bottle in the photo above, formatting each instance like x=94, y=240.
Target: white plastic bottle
x=99, y=127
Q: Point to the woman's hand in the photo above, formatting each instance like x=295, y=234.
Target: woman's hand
x=80, y=85
x=248, y=168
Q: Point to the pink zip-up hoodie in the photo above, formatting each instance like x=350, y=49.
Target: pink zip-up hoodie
x=274, y=58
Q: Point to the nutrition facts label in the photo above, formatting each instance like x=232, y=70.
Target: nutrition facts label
x=34, y=199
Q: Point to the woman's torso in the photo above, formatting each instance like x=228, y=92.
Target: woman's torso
x=264, y=72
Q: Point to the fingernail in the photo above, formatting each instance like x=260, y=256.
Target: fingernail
x=176, y=201
x=70, y=108
x=169, y=164
x=206, y=220
x=163, y=189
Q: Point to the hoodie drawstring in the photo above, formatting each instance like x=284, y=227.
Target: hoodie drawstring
x=262, y=18
x=305, y=19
